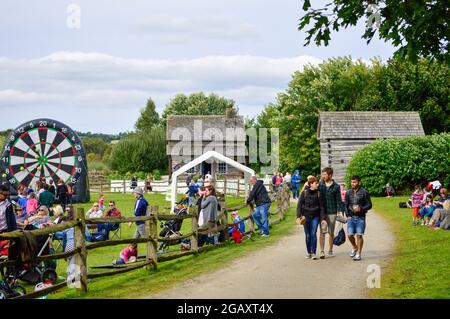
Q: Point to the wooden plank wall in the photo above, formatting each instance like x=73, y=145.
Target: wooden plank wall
x=337, y=153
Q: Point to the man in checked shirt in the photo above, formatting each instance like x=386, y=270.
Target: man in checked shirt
x=331, y=192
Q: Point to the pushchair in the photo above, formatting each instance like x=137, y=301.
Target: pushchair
x=172, y=227
x=30, y=271
x=8, y=289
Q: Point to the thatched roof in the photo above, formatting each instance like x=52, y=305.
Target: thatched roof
x=368, y=125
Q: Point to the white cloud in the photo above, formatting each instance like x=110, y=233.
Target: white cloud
x=85, y=88
x=183, y=29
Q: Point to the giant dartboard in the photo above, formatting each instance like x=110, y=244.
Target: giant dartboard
x=45, y=149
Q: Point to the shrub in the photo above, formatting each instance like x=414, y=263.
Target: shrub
x=141, y=152
x=156, y=175
x=402, y=162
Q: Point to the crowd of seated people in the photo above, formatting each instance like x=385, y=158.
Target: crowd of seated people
x=430, y=206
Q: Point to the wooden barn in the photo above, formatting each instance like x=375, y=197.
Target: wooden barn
x=341, y=134
x=189, y=137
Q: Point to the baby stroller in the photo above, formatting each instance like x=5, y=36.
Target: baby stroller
x=172, y=227
x=29, y=270
x=8, y=289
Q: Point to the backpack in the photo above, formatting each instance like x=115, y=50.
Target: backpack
x=402, y=205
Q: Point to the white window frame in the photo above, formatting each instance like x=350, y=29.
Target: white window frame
x=220, y=171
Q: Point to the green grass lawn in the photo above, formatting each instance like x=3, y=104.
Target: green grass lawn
x=143, y=283
x=420, y=267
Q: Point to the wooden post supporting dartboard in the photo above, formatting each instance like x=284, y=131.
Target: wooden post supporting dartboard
x=44, y=150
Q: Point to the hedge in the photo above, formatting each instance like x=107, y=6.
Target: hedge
x=402, y=162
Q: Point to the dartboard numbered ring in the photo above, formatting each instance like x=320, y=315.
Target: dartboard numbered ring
x=41, y=149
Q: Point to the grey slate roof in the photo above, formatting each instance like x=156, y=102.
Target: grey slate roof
x=350, y=125
x=205, y=122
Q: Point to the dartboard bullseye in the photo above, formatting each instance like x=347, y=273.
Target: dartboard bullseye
x=45, y=149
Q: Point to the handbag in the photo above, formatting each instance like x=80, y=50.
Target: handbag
x=340, y=238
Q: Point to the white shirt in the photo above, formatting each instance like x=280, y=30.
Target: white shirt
x=97, y=214
x=436, y=184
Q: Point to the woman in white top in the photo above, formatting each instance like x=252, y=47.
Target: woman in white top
x=95, y=212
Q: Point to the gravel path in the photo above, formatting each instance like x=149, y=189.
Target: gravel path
x=281, y=271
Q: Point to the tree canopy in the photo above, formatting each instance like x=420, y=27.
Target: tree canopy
x=199, y=104
x=416, y=28
x=141, y=152
x=341, y=84
x=149, y=117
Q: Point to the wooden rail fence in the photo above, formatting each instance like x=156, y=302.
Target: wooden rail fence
x=151, y=220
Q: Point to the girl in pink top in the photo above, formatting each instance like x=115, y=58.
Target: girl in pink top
x=32, y=204
x=126, y=254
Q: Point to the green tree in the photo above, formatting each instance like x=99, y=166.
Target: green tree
x=95, y=146
x=199, y=104
x=341, y=84
x=149, y=117
x=418, y=28
x=140, y=152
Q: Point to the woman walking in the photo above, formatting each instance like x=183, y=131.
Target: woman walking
x=310, y=211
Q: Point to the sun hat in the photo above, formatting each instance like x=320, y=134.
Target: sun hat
x=138, y=190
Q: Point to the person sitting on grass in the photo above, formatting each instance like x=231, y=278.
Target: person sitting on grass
x=443, y=196
x=127, y=255
x=389, y=190
x=441, y=217
x=239, y=227
x=427, y=210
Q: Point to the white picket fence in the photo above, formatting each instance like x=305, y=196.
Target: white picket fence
x=233, y=186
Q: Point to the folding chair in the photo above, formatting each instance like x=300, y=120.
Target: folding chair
x=116, y=233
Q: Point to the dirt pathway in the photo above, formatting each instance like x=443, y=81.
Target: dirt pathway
x=281, y=271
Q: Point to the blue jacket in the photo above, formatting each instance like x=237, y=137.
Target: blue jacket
x=296, y=180
x=193, y=190
x=241, y=225
x=140, y=209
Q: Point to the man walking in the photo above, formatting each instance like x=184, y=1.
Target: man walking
x=331, y=193
x=357, y=204
x=262, y=201
x=140, y=209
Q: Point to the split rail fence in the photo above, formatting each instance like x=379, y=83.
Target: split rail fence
x=152, y=219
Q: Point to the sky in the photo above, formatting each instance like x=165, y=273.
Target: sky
x=92, y=64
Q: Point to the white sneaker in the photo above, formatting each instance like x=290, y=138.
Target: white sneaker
x=330, y=254
x=322, y=255
x=353, y=253
x=357, y=257
x=308, y=256
x=314, y=257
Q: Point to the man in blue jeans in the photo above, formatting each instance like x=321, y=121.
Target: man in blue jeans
x=357, y=204
x=262, y=201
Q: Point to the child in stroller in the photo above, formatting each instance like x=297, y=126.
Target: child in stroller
x=172, y=227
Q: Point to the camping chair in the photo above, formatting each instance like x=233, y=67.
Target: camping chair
x=57, y=243
x=116, y=233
